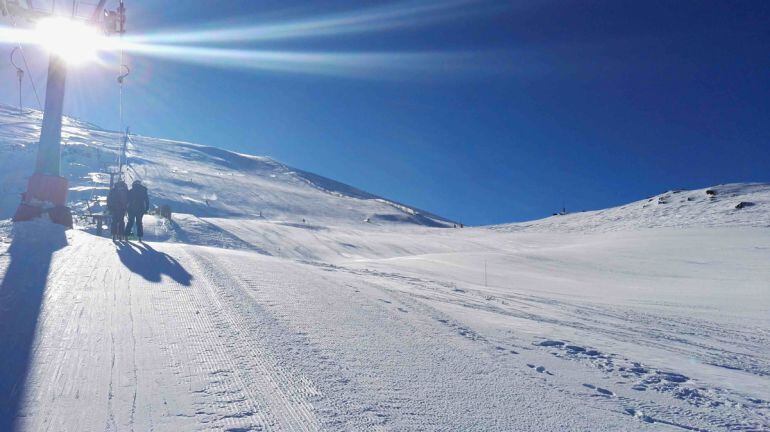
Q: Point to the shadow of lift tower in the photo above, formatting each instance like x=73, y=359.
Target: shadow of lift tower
x=47, y=189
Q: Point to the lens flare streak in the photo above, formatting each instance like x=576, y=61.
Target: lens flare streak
x=389, y=65
x=399, y=15
x=202, y=47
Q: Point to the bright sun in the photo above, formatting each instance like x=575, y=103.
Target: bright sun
x=73, y=41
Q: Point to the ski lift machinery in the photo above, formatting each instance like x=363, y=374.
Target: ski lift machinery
x=20, y=77
x=46, y=188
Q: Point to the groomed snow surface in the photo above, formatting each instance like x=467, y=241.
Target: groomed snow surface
x=371, y=315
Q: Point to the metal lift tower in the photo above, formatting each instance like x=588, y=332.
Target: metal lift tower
x=47, y=189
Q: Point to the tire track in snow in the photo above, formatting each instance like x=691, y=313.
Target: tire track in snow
x=342, y=401
x=287, y=395
x=134, y=368
x=214, y=364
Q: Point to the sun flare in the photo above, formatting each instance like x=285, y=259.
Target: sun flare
x=73, y=41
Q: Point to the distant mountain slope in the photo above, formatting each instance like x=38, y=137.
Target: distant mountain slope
x=195, y=179
x=739, y=204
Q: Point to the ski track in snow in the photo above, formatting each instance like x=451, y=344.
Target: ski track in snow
x=720, y=404
x=277, y=300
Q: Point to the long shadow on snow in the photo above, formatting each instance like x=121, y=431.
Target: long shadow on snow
x=21, y=297
x=150, y=264
x=228, y=240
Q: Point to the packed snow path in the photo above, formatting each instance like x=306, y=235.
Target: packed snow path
x=129, y=339
x=164, y=336
x=280, y=300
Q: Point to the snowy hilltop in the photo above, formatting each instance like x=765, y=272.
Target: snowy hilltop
x=192, y=179
x=731, y=205
x=277, y=300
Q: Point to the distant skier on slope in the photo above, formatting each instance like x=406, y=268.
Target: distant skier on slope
x=138, y=205
x=117, y=204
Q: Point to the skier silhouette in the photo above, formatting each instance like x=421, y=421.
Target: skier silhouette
x=117, y=204
x=138, y=205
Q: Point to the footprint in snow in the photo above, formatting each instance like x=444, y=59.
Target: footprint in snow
x=570, y=350
x=504, y=349
x=604, y=391
x=551, y=343
x=673, y=377
x=640, y=415
x=599, y=390
x=539, y=369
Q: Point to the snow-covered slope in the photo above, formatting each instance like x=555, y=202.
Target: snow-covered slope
x=192, y=179
x=739, y=204
x=650, y=316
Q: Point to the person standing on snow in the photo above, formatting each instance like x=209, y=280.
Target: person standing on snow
x=138, y=205
x=117, y=204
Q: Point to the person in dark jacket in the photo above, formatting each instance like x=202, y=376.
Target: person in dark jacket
x=138, y=205
x=117, y=204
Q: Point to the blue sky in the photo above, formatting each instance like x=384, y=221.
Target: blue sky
x=481, y=111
